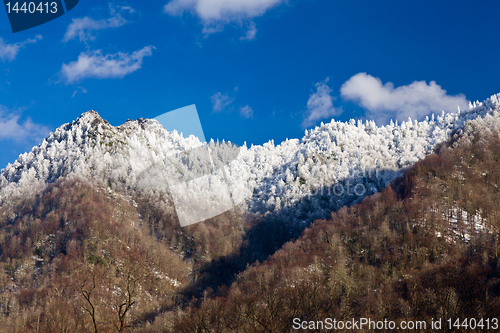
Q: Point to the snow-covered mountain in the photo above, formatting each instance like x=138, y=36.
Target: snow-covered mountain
x=332, y=165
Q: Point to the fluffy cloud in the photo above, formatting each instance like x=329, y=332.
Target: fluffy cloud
x=11, y=128
x=220, y=101
x=215, y=13
x=94, y=64
x=246, y=112
x=383, y=102
x=320, y=105
x=221, y=10
x=10, y=51
x=83, y=27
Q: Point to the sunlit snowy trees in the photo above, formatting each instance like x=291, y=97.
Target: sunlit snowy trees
x=325, y=166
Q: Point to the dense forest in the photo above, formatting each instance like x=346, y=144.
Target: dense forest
x=426, y=247
x=82, y=258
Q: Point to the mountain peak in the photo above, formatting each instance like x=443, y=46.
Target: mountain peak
x=136, y=155
x=91, y=117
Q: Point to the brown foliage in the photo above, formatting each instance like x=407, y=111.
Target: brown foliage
x=425, y=248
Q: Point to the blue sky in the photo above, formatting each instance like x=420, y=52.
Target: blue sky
x=256, y=69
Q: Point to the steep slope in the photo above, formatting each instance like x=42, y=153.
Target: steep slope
x=91, y=204
x=326, y=165
x=75, y=255
x=401, y=255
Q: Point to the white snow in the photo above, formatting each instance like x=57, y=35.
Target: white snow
x=334, y=164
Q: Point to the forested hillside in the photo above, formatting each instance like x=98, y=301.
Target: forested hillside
x=88, y=244
x=425, y=247
x=76, y=258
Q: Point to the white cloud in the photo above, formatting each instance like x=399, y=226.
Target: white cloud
x=320, y=105
x=215, y=13
x=221, y=10
x=251, y=32
x=94, y=64
x=246, y=112
x=83, y=27
x=82, y=89
x=125, y=8
x=383, y=102
x=10, y=51
x=220, y=101
x=11, y=128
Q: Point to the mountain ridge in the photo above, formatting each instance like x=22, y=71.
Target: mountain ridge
x=93, y=241
x=267, y=177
